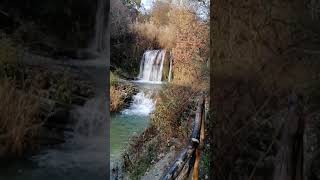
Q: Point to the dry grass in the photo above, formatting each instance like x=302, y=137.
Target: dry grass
x=19, y=121
x=178, y=30
x=256, y=67
x=19, y=118
x=116, y=99
x=120, y=95
x=9, y=56
x=8, y=52
x=174, y=106
x=164, y=35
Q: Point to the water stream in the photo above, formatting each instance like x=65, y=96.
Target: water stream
x=131, y=121
x=135, y=118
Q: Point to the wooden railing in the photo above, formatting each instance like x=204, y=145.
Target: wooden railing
x=189, y=158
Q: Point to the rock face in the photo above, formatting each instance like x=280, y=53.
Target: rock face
x=60, y=89
x=156, y=171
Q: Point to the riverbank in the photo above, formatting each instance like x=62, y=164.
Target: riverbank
x=121, y=92
x=151, y=152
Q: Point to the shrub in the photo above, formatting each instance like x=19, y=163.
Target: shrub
x=61, y=89
x=9, y=56
x=120, y=95
x=257, y=66
x=148, y=32
x=19, y=119
x=119, y=18
x=116, y=99
x=174, y=106
x=113, y=79
x=179, y=30
x=192, y=46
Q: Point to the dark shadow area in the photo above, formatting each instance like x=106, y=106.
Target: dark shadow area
x=264, y=98
x=54, y=62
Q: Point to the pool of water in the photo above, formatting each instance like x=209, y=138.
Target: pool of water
x=122, y=128
x=131, y=121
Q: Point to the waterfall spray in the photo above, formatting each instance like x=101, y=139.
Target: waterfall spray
x=170, y=70
x=99, y=41
x=151, y=65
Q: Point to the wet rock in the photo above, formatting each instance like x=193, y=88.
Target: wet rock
x=78, y=100
x=127, y=164
x=59, y=116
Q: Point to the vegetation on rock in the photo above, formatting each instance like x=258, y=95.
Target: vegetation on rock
x=120, y=93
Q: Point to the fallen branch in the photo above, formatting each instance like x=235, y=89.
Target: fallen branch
x=4, y=13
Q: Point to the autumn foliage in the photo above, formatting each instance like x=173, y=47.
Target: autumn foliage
x=181, y=31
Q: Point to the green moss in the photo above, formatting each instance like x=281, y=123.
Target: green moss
x=61, y=89
x=143, y=164
x=113, y=79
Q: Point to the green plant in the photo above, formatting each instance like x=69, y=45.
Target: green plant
x=61, y=89
x=144, y=162
x=113, y=79
x=174, y=106
x=9, y=56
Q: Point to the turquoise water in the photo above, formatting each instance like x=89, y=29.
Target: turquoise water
x=130, y=122
x=123, y=127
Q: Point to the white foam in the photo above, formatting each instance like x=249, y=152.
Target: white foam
x=142, y=105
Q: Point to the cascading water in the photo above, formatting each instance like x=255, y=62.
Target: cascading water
x=85, y=146
x=130, y=121
x=141, y=105
x=170, y=71
x=151, y=66
x=99, y=40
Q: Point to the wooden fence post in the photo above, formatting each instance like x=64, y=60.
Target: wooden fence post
x=195, y=174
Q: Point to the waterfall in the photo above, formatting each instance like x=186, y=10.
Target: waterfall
x=142, y=105
x=85, y=147
x=170, y=71
x=151, y=65
x=90, y=119
x=99, y=42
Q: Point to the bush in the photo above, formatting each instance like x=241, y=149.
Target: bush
x=257, y=66
x=179, y=30
x=9, y=56
x=163, y=36
x=174, y=106
x=116, y=99
x=19, y=119
x=61, y=89
x=120, y=95
x=113, y=79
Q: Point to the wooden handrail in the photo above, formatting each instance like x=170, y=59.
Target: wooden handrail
x=193, y=148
